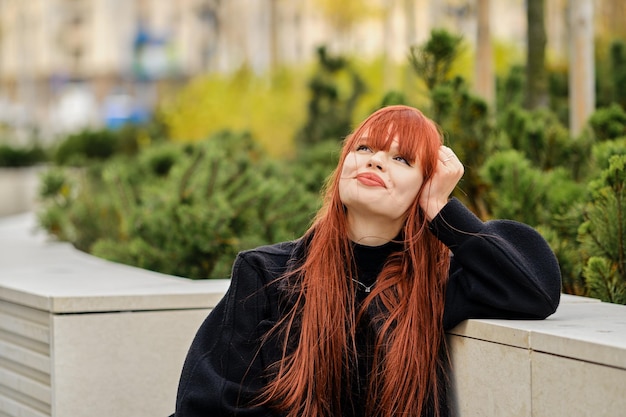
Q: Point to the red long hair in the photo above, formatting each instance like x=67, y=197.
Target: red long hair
x=319, y=330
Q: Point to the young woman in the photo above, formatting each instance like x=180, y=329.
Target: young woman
x=349, y=320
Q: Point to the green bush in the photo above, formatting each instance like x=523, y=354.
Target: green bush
x=603, y=234
x=547, y=200
x=521, y=191
x=558, y=92
x=82, y=148
x=78, y=148
x=178, y=209
x=314, y=164
x=601, y=154
x=510, y=88
x=541, y=137
x=608, y=122
x=13, y=156
x=511, y=91
x=74, y=208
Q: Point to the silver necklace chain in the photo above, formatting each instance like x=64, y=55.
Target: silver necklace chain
x=365, y=287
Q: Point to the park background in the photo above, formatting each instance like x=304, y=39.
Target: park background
x=172, y=134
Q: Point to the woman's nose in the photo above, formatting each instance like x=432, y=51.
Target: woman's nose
x=377, y=161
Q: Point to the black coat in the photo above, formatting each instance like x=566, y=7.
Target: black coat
x=499, y=269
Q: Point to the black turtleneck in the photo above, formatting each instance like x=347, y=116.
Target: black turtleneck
x=369, y=262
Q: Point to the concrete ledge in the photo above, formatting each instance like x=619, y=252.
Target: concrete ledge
x=83, y=336
x=582, y=329
x=79, y=333
x=571, y=364
x=55, y=277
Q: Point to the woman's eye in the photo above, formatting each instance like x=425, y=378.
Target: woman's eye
x=363, y=148
x=403, y=160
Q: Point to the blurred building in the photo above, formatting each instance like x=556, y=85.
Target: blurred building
x=65, y=64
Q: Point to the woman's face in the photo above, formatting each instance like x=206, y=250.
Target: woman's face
x=380, y=183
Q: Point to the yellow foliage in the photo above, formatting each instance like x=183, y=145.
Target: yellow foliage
x=505, y=55
x=272, y=108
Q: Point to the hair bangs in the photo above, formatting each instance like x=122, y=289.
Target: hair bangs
x=418, y=137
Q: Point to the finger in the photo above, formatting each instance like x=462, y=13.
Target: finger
x=446, y=154
x=443, y=153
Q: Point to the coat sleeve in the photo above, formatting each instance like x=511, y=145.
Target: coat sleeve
x=499, y=269
x=224, y=367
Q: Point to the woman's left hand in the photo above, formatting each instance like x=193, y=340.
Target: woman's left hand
x=439, y=187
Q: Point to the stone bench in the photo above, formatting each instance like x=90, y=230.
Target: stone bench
x=81, y=336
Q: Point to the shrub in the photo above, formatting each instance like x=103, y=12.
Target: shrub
x=547, y=200
x=541, y=137
x=603, y=234
x=516, y=187
x=13, y=157
x=510, y=88
x=314, y=164
x=79, y=149
x=178, y=209
x=521, y=191
x=608, y=122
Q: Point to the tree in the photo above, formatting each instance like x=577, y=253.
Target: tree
x=536, y=75
x=274, y=24
x=387, y=43
x=335, y=90
x=484, y=81
x=433, y=60
x=582, y=70
x=410, y=34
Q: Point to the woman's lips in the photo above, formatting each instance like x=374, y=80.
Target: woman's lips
x=371, y=180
